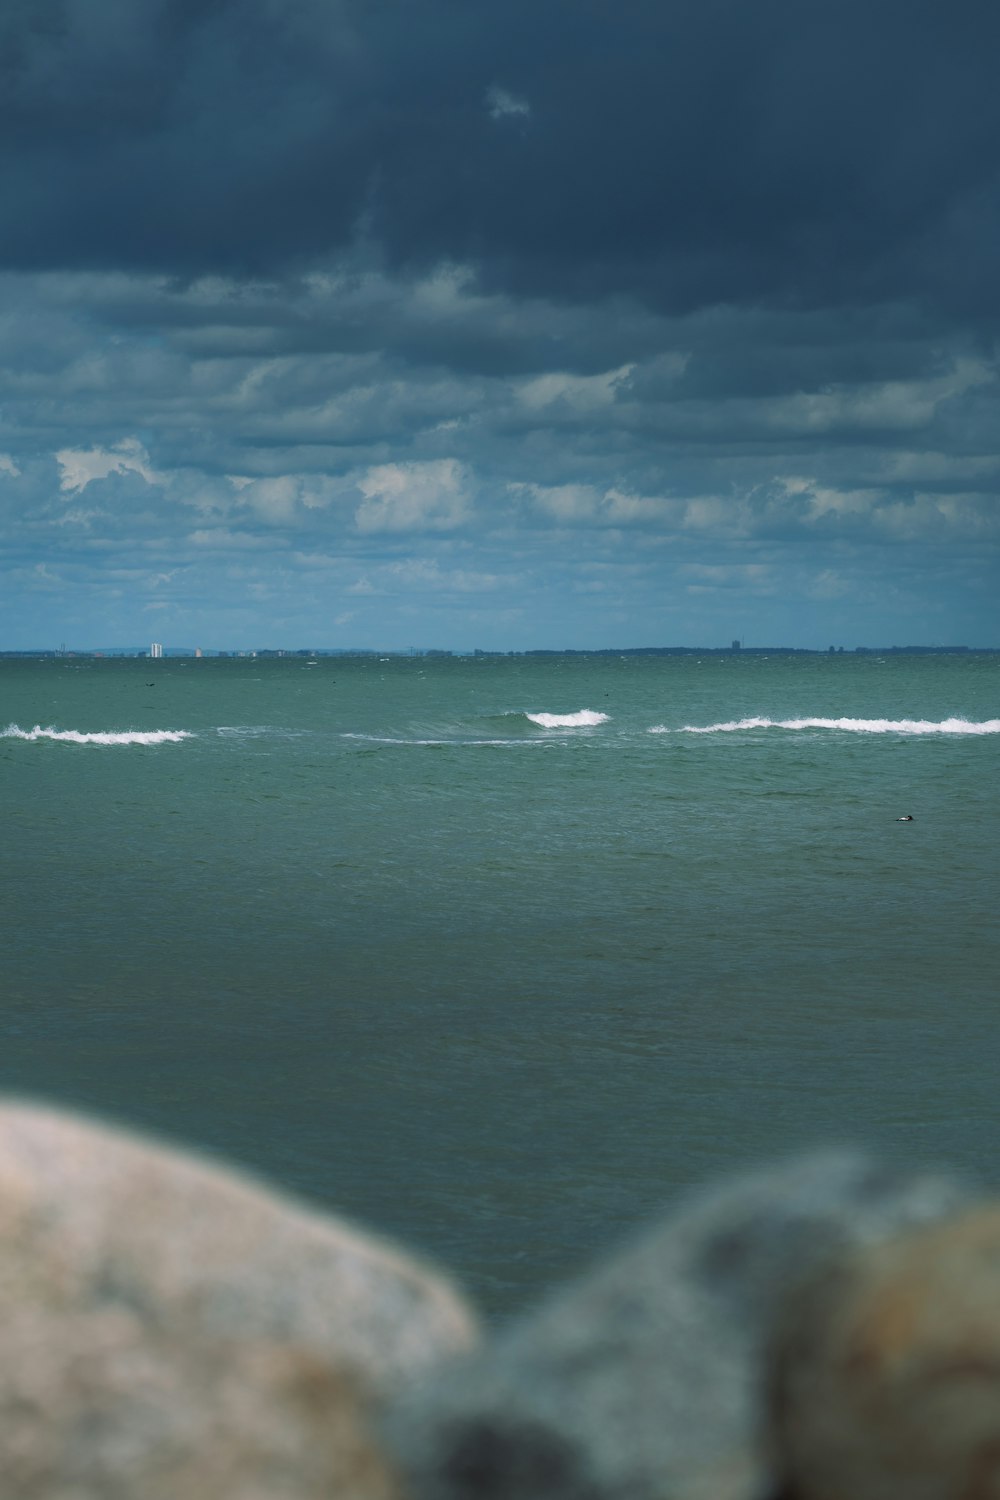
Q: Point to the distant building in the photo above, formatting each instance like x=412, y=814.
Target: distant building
x=736, y=645
x=156, y=650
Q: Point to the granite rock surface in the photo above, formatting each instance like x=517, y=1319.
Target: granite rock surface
x=886, y=1382
x=646, y=1380
x=828, y=1329
x=169, y=1327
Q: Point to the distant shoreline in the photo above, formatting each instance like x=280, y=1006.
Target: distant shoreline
x=298, y=653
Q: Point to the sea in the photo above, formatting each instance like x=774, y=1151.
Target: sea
x=499, y=955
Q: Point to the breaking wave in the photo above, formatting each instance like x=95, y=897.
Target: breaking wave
x=587, y=718
x=98, y=737
x=852, y=726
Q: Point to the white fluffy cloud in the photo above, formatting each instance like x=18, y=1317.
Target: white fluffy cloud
x=585, y=504
x=278, y=499
x=81, y=466
x=580, y=393
x=430, y=496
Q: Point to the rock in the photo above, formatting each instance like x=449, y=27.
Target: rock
x=887, y=1370
x=170, y=1328
x=100, y=1405
x=645, y=1380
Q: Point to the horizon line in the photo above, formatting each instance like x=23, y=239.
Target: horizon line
x=279, y=652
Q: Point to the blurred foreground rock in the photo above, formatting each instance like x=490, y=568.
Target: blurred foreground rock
x=647, y=1380
x=171, y=1329
x=887, y=1370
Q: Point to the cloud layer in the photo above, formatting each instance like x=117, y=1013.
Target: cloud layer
x=499, y=325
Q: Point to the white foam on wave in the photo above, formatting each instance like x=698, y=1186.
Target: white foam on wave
x=257, y=732
x=852, y=726
x=98, y=737
x=383, y=739
x=587, y=718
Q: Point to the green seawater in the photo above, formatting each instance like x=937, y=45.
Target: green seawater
x=498, y=988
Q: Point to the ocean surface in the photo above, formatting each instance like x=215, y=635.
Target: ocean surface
x=498, y=954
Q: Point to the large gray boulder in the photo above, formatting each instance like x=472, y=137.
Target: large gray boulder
x=647, y=1380
x=170, y=1328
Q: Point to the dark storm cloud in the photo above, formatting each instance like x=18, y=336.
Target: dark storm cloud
x=690, y=153
x=443, y=319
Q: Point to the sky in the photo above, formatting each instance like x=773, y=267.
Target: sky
x=499, y=324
